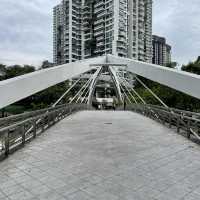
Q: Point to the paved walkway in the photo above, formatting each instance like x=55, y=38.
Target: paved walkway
x=107, y=156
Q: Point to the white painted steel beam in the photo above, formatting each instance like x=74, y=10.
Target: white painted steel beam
x=185, y=82
x=15, y=89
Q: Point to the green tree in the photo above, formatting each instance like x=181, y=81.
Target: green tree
x=192, y=67
x=172, y=64
x=17, y=70
x=46, y=64
x=2, y=72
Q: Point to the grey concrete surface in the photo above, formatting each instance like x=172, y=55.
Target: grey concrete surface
x=104, y=155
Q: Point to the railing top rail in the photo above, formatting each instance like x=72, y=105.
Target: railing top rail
x=35, y=111
x=16, y=121
x=13, y=118
x=2, y=130
x=27, y=120
x=177, y=110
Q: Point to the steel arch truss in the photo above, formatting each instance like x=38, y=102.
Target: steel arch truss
x=15, y=89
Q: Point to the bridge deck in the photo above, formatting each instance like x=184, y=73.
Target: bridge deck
x=104, y=155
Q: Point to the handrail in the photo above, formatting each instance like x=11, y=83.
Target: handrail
x=178, y=110
x=14, y=118
x=180, y=119
x=17, y=134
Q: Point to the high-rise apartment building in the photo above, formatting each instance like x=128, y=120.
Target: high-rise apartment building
x=88, y=28
x=161, y=51
x=68, y=31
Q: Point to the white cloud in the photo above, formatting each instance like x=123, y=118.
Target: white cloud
x=26, y=31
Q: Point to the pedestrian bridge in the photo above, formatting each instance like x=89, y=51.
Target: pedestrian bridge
x=104, y=155
x=71, y=151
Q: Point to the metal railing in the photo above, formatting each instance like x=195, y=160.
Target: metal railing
x=185, y=121
x=23, y=128
x=4, y=122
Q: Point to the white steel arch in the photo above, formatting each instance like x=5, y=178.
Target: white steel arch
x=185, y=82
x=18, y=88
x=15, y=89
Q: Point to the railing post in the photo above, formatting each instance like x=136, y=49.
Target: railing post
x=34, y=128
x=57, y=116
x=170, y=120
x=178, y=124
x=63, y=114
x=188, y=130
x=163, y=118
x=43, y=123
x=23, y=134
x=54, y=117
x=7, y=143
x=49, y=120
x=198, y=129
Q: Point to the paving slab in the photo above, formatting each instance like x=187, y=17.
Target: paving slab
x=103, y=155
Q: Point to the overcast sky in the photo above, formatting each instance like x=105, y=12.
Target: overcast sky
x=26, y=29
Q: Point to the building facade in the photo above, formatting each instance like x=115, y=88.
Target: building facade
x=88, y=28
x=161, y=51
x=67, y=31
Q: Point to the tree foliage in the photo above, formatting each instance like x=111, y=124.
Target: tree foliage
x=15, y=70
x=40, y=100
x=192, y=67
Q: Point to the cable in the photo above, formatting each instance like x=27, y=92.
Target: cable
x=66, y=92
x=79, y=92
x=88, y=84
x=142, y=83
x=143, y=101
x=84, y=98
x=125, y=93
x=129, y=92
